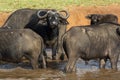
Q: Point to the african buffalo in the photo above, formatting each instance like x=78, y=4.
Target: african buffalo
x=48, y=23
x=100, y=18
x=18, y=43
x=92, y=42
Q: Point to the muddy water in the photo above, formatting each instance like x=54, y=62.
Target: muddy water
x=55, y=71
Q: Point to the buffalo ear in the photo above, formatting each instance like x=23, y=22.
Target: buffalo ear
x=89, y=16
x=99, y=17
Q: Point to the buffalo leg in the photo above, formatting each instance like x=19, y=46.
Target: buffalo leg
x=62, y=30
x=34, y=64
x=114, y=63
x=102, y=63
x=34, y=60
x=43, y=61
x=54, y=51
x=70, y=65
x=114, y=60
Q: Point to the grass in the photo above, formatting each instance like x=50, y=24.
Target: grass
x=11, y=5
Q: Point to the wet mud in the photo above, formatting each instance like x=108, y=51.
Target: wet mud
x=55, y=71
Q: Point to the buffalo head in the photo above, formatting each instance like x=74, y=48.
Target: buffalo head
x=53, y=17
x=101, y=18
x=95, y=18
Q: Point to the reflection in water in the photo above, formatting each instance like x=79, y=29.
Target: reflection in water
x=55, y=71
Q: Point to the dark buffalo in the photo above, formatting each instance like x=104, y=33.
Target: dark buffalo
x=18, y=43
x=92, y=42
x=101, y=18
x=49, y=23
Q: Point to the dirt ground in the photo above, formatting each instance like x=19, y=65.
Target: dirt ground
x=78, y=13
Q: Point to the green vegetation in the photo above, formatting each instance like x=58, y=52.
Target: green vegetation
x=11, y=5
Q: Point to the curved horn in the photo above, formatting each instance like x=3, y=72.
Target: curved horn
x=42, y=15
x=67, y=14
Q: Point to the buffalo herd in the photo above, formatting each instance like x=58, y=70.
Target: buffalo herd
x=28, y=32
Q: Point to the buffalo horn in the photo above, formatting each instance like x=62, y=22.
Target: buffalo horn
x=43, y=15
x=67, y=14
